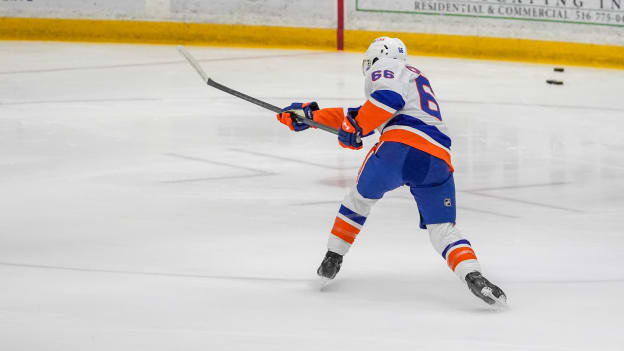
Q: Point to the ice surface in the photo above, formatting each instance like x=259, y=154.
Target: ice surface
x=143, y=210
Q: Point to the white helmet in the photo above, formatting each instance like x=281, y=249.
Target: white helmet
x=384, y=47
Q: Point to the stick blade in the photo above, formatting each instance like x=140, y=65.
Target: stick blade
x=187, y=55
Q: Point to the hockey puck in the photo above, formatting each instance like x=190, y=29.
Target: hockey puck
x=558, y=69
x=555, y=82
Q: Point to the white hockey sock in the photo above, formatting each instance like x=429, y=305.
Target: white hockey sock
x=454, y=248
x=349, y=221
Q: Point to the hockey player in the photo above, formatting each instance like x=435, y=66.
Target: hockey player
x=413, y=150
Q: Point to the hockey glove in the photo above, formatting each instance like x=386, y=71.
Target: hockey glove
x=287, y=116
x=350, y=134
x=353, y=112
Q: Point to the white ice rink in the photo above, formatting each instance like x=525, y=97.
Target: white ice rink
x=143, y=210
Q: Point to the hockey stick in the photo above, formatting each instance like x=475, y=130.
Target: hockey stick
x=246, y=97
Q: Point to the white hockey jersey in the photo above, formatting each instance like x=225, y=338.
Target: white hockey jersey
x=402, y=106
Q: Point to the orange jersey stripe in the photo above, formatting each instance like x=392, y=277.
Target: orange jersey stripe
x=417, y=142
x=344, y=230
x=370, y=117
x=459, y=255
x=332, y=116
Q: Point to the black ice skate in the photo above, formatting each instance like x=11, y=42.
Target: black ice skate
x=330, y=265
x=486, y=291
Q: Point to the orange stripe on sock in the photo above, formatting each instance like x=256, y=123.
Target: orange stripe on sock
x=458, y=255
x=344, y=230
x=417, y=142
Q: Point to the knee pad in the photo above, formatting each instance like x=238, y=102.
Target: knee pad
x=358, y=203
x=442, y=234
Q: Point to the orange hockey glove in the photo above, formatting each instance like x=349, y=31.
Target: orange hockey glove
x=287, y=116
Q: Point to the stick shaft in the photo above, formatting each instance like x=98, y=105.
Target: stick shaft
x=269, y=107
x=246, y=97
x=243, y=96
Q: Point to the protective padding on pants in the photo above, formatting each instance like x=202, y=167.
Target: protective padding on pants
x=431, y=182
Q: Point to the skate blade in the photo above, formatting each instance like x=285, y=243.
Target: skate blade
x=500, y=303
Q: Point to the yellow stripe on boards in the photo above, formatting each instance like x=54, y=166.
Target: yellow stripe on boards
x=507, y=49
x=148, y=32
x=151, y=32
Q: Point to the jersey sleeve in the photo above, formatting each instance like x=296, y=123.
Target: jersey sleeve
x=384, y=83
x=332, y=116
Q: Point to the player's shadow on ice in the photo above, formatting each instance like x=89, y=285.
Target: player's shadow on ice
x=418, y=293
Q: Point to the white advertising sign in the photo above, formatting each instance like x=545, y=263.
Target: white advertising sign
x=593, y=12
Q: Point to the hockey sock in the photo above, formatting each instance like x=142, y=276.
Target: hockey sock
x=349, y=221
x=347, y=226
x=454, y=248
